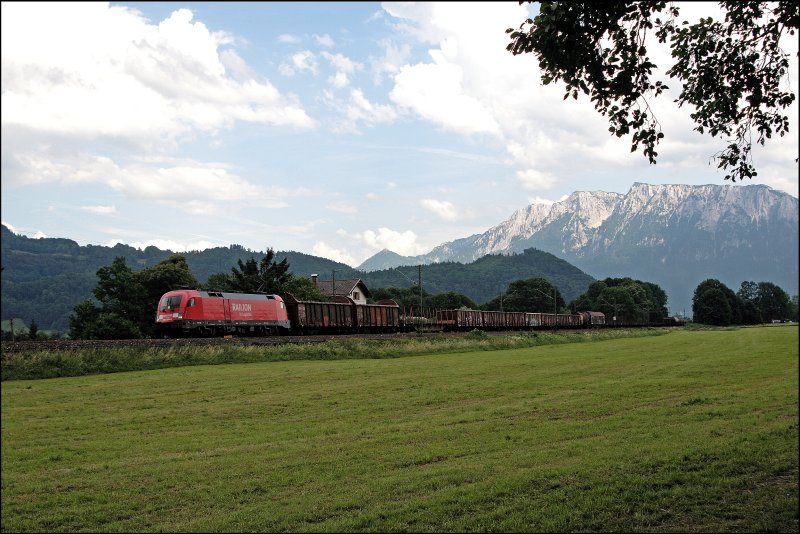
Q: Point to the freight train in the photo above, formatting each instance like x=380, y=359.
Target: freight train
x=190, y=312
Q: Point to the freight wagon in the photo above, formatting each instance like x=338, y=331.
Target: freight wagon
x=341, y=315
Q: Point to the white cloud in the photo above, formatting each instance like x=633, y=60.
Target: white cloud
x=342, y=207
x=542, y=201
x=535, y=180
x=434, y=91
x=236, y=66
x=189, y=186
x=100, y=210
x=324, y=40
x=468, y=75
x=325, y=251
x=302, y=61
x=358, y=110
x=361, y=109
x=472, y=85
x=394, y=57
x=344, y=68
x=83, y=72
x=444, y=209
x=99, y=71
x=288, y=38
x=404, y=243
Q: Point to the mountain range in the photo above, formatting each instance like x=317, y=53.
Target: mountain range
x=45, y=278
x=673, y=235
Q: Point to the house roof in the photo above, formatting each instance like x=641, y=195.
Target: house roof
x=343, y=287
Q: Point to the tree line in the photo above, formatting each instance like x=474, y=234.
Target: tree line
x=714, y=303
x=125, y=299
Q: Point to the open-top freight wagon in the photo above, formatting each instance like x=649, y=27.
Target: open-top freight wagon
x=342, y=315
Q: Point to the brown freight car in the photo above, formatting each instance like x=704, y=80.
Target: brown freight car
x=381, y=317
x=309, y=317
x=341, y=315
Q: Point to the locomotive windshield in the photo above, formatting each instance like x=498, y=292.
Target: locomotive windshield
x=170, y=303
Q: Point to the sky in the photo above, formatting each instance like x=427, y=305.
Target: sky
x=332, y=129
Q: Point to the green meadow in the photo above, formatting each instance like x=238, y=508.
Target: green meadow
x=690, y=431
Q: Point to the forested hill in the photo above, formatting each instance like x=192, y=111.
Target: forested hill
x=43, y=279
x=484, y=279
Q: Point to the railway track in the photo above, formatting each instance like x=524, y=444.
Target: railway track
x=9, y=347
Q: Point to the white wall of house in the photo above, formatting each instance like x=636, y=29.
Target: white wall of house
x=358, y=295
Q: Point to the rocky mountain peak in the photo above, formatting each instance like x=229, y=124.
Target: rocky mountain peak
x=674, y=235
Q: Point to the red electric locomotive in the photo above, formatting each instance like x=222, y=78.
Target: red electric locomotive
x=209, y=313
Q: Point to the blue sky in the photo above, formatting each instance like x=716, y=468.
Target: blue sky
x=333, y=129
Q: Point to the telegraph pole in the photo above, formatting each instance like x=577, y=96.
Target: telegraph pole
x=555, y=301
x=420, y=288
x=334, y=281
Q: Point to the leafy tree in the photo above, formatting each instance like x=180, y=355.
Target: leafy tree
x=618, y=304
x=773, y=302
x=625, y=298
x=109, y=325
x=748, y=291
x=529, y=295
x=409, y=298
x=405, y=297
x=33, y=331
x=218, y=282
x=122, y=304
x=712, y=306
x=127, y=299
x=794, y=306
x=82, y=318
x=303, y=288
x=588, y=300
x=732, y=71
x=166, y=275
x=266, y=276
x=748, y=297
x=119, y=291
x=450, y=300
x=720, y=306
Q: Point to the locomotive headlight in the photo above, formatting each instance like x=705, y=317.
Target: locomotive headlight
x=177, y=316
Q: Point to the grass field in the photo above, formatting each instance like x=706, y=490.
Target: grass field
x=690, y=431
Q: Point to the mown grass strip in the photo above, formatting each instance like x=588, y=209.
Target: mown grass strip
x=692, y=431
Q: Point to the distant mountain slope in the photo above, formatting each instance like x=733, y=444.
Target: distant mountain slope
x=43, y=279
x=484, y=279
x=385, y=259
x=672, y=235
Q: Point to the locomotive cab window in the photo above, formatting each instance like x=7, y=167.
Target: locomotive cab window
x=190, y=303
x=171, y=303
